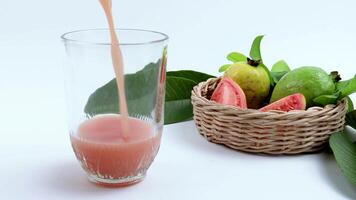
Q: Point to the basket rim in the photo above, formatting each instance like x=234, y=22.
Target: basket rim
x=196, y=94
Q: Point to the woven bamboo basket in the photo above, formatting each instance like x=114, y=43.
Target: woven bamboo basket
x=273, y=132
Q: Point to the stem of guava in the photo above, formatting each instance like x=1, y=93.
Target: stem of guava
x=253, y=63
x=335, y=76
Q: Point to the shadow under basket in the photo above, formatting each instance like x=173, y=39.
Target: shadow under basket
x=273, y=132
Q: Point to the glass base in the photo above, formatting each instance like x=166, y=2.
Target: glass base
x=120, y=182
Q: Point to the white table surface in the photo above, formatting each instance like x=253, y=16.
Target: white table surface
x=37, y=161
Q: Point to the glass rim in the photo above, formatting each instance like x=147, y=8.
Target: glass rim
x=65, y=37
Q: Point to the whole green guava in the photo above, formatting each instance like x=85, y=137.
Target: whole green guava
x=310, y=81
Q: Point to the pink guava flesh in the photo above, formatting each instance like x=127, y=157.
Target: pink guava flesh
x=292, y=102
x=229, y=93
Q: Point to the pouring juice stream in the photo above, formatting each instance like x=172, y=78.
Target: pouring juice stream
x=118, y=65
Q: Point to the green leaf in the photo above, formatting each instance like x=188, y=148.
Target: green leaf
x=141, y=88
x=351, y=133
x=341, y=84
x=278, y=75
x=324, y=100
x=345, y=155
x=351, y=119
x=271, y=79
x=195, y=76
x=255, y=52
x=280, y=66
x=346, y=87
x=183, y=107
x=236, y=57
x=224, y=67
x=178, y=105
x=350, y=104
x=140, y=93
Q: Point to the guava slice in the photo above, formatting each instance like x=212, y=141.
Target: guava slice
x=229, y=93
x=292, y=102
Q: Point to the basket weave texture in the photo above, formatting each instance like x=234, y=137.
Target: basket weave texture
x=273, y=132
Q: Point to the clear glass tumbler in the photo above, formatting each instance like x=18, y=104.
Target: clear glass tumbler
x=95, y=124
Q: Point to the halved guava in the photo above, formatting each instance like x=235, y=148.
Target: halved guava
x=229, y=93
x=292, y=102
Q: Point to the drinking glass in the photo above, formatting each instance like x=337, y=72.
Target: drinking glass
x=108, y=156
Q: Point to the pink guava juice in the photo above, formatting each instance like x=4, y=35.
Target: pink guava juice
x=106, y=153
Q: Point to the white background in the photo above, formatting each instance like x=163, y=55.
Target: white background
x=36, y=160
